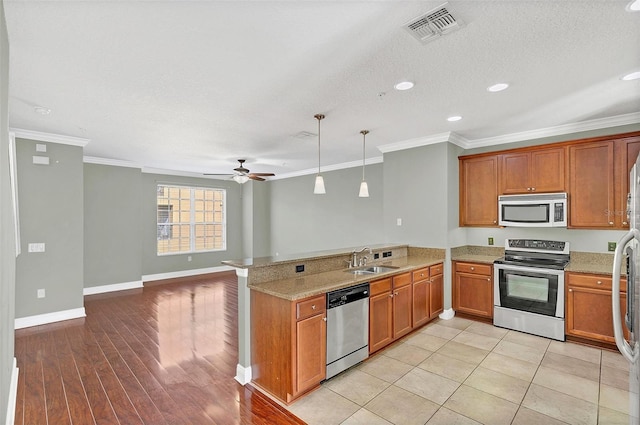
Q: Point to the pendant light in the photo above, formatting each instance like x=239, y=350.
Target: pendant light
x=364, y=188
x=318, y=189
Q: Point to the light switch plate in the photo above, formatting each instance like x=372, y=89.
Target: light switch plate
x=36, y=247
x=40, y=160
x=41, y=147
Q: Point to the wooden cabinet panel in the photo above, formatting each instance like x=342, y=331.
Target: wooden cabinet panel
x=310, y=352
x=420, y=303
x=514, y=173
x=310, y=307
x=534, y=171
x=589, y=313
x=380, y=286
x=473, y=289
x=591, y=177
x=479, y=191
x=626, y=152
x=380, y=321
x=436, y=296
x=402, y=324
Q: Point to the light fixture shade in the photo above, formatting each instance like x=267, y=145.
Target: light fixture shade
x=318, y=189
x=364, y=190
x=241, y=178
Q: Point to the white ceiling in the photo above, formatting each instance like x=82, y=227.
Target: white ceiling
x=195, y=85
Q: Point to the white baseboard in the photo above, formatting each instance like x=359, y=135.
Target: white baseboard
x=243, y=374
x=92, y=290
x=43, y=319
x=447, y=314
x=13, y=394
x=184, y=273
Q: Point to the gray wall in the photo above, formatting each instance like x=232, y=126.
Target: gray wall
x=51, y=212
x=112, y=225
x=304, y=222
x=256, y=219
x=155, y=264
x=7, y=241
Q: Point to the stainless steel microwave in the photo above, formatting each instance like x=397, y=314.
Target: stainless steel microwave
x=533, y=210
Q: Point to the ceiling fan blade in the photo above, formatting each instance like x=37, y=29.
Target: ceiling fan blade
x=254, y=177
x=262, y=174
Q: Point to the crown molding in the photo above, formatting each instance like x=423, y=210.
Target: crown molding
x=334, y=167
x=179, y=173
x=420, y=141
x=108, y=161
x=49, y=137
x=595, y=124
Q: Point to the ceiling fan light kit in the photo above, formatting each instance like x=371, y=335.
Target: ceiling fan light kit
x=318, y=188
x=243, y=175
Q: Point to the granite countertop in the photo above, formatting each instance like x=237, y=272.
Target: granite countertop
x=320, y=283
x=477, y=254
x=591, y=262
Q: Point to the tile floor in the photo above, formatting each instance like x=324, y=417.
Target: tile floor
x=464, y=372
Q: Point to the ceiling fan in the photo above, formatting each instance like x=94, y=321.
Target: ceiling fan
x=243, y=175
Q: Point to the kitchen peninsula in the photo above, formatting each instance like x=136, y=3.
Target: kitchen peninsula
x=282, y=346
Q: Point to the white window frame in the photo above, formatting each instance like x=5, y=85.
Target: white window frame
x=192, y=222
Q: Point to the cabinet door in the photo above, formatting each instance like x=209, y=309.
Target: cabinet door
x=473, y=294
x=547, y=170
x=380, y=321
x=311, y=339
x=436, y=296
x=627, y=151
x=589, y=313
x=479, y=191
x=591, y=185
x=514, y=173
x=402, y=311
x=420, y=303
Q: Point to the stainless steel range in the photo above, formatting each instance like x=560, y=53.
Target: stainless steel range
x=529, y=287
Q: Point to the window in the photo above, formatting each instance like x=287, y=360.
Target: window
x=190, y=219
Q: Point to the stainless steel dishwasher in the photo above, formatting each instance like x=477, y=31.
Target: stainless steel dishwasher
x=347, y=328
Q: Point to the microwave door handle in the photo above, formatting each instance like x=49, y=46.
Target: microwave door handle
x=627, y=351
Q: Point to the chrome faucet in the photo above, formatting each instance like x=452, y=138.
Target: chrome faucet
x=354, y=257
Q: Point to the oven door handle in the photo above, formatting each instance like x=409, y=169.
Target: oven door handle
x=630, y=353
x=529, y=269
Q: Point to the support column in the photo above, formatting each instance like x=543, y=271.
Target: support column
x=243, y=369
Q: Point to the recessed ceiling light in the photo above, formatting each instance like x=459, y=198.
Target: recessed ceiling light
x=497, y=87
x=632, y=76
x=454, y=118
x=42, y=110
x=403, y=85
x=634, y=6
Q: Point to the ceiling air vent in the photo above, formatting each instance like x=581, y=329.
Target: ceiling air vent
x=433, y=24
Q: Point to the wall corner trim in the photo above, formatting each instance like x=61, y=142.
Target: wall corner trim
x=92, y=290
x=447, y=314
x=13, y=394
x=43, y=319
x=243, y=374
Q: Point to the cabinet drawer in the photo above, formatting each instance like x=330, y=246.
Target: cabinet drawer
x=310, y=307
x=380, y=286
x=435, y=270
x=484, y=269
x=421, y=274
x=401, y=280
x=594, y=281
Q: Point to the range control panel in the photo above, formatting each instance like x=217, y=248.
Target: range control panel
x=538, y=245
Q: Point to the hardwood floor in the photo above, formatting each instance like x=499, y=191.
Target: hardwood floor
x=165, y=354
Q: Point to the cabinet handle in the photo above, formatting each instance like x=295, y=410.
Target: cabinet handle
x=529, y=189
x=533, y=189
x=473, y=268
x=391, y=295
x=625, y=223
x=324, y=318
x=611, y=223
x=421, y=274
x=313, y=307
x=488, y=279
x=570, y=290
x=599, y=282
x=495, y=221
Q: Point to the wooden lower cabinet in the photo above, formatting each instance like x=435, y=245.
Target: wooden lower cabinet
x=380, y=314
x=288, y=344
x=402, y=324
x=588, y=306
x=473, y=289
x=428, y=293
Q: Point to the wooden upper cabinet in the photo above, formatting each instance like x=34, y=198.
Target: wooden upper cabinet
x=591, y=187
x=536, y=171
x=479, y=191
x=626, y=152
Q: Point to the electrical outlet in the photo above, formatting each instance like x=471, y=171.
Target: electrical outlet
x=41, y=293
x=300, y=268
x=611, y=246
x=189, y=258
x=490, y=241
x=376, y=255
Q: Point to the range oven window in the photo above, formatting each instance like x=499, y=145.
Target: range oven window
x=527, y=213
x=529, y=291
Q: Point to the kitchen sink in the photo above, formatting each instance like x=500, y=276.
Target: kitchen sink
x=371, y=270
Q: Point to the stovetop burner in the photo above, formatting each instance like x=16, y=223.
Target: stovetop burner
x=536, y=253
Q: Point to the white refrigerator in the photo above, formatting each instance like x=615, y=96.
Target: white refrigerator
x=629, y=248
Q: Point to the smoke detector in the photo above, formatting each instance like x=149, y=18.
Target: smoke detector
x=433, y=24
